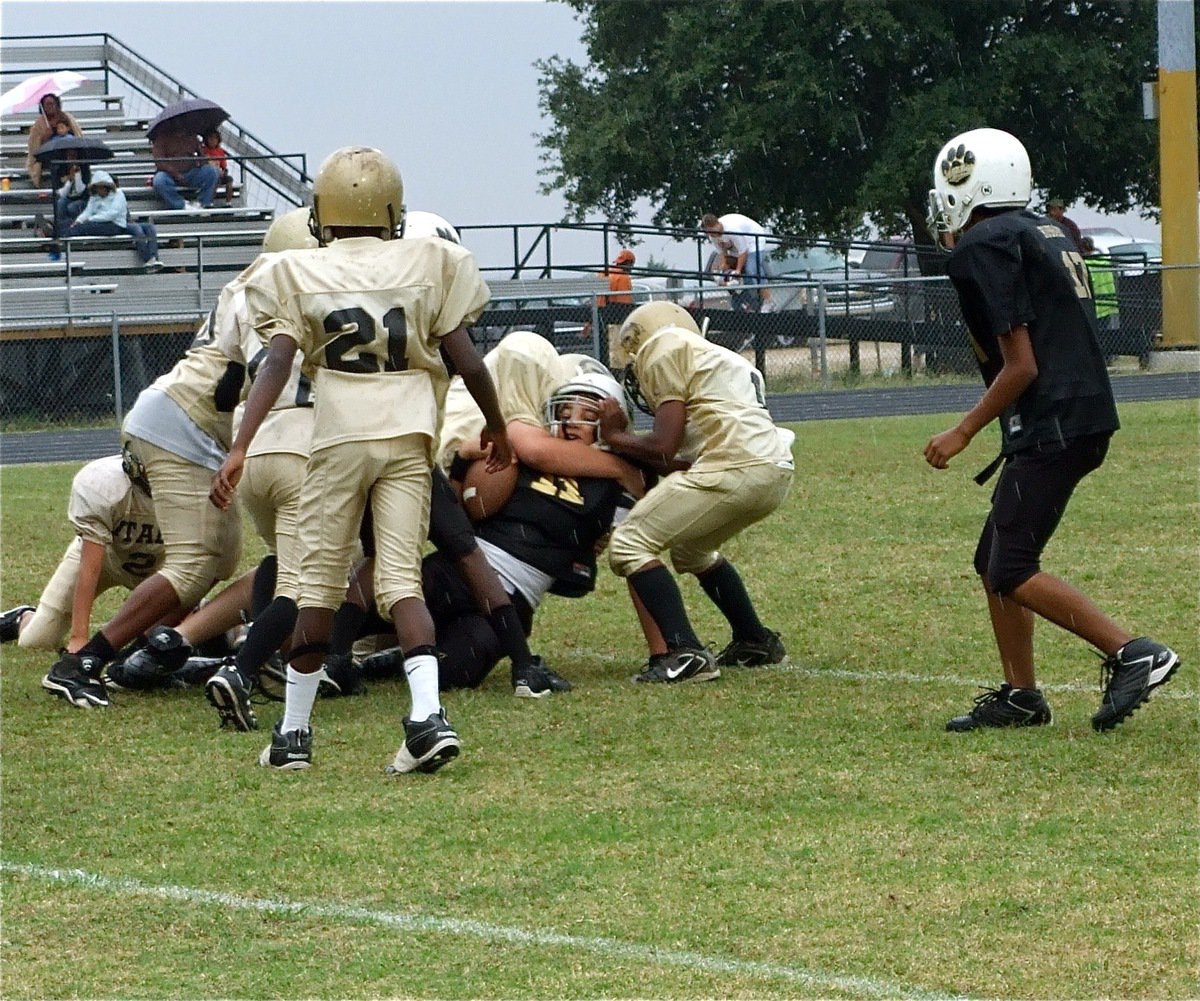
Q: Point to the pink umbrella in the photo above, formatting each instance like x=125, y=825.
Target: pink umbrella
x=26, y=95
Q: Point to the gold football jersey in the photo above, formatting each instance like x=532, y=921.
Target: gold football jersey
x=525, y=368
x=106, y=508
x=723, y=393
x=208, y=381
x=368, y=317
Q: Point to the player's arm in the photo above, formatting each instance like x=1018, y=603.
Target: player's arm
x=655, y=449
x=272, y=376
x=539, y=449
x=91, y=561
x=1017, y=373
x=461, y=353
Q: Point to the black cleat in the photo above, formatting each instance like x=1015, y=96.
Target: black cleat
x=536, y=681
x=229, y=693
x=754, y=653
x=152, y=666
x=1129, y=676
x=289, y=751
x=10, y=622
x=77, y=679
x=340, y=676
x=383, y=665
x=427, y=745
x=678, y=666
x=1005, y=706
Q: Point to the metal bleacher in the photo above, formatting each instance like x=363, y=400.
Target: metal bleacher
x=99, y=281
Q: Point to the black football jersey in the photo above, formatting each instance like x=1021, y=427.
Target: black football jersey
x=553, y=523
x=1020, y=268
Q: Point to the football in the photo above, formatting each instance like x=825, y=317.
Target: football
x=484, y=493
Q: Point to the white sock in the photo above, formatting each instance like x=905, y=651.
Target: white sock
x=299, y=698
x=422, y=675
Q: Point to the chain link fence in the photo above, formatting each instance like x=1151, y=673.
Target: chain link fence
x=87, y=368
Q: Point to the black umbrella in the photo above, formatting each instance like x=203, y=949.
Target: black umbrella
x=85, y=148
x=195, y=117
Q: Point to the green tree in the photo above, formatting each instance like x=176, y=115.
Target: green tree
x=810, y=114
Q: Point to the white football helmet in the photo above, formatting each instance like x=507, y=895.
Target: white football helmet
x=358, y=186
x=586, y=388
x=289, y=232
x=418, y=224
x=980, y=167
x=643, y=322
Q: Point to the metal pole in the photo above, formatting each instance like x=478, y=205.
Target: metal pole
x=822, y=305
x=1177, y=146
x=118, y=401
x=596, y=329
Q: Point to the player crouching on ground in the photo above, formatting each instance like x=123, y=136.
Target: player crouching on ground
x=742, y=472
x=1028, y=306
x=117, y=544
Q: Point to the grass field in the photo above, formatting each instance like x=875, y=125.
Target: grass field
x=802, y=831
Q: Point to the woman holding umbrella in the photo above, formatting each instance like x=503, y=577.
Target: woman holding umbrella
x=42, y=129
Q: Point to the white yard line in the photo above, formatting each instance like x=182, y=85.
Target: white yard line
x=815, y=980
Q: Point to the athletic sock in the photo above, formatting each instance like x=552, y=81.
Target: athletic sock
x=98, y=646
x=723, y=584
x=298, y=702
x=421, y=669
x=267, y=634
x=660, y=594
x=348, y=621
x=507, y=624
x=262, y=588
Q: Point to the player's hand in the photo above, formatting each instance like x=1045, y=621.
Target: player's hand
x=499, y=451
x=944, y=447
x=225, y=480
x=612, y=417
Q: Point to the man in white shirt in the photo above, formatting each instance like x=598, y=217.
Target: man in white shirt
x=741, y=248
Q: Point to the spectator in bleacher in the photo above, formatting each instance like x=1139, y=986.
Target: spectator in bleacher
x=741, y=256
x=45, y=127
x=72, y=195
x=107, y=214
x=179, y=161
x=218, y=157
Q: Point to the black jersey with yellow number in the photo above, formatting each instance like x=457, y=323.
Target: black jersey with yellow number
x=1020, y=268
x=553, y=523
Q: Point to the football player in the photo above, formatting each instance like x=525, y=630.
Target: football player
x=374, y=316
x=742, y=472
x=117, y=544
x=1024, y=292
x=542, y=539
x=178, y=432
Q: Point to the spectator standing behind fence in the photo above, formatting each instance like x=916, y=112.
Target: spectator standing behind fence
x=44, y=127
x=1104, y=285
x=620, y=284
x=741, y=251
x=179, y=161
x=218, y=157
x=107, y=214
x=1056, y=209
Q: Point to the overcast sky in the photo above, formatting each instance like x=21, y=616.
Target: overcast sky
x=447, y=89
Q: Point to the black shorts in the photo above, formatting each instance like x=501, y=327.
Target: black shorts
x=1027, y=505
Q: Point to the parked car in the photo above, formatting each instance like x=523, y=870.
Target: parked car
x=814, y=267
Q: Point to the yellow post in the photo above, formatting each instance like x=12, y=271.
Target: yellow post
x=1180, y=184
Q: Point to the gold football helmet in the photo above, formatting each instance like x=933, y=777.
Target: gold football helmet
x=644, y=321
x=289, y=232
x=358, y=186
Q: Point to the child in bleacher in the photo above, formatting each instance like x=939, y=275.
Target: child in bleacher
x=217, y=156
x=107, y=214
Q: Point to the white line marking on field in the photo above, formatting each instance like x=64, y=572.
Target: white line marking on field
x=1165, y=692
x=409, y=921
